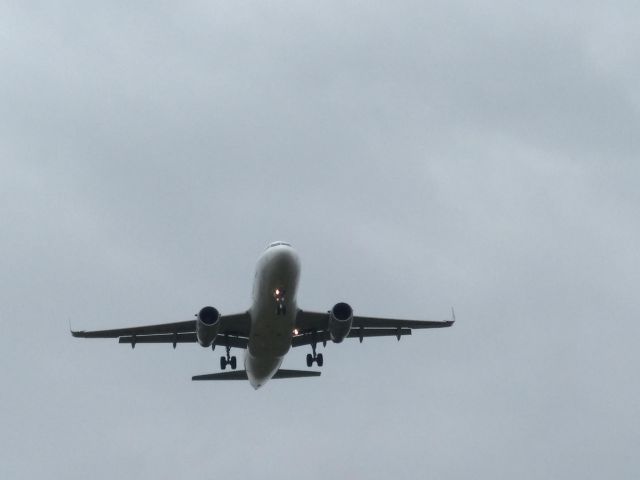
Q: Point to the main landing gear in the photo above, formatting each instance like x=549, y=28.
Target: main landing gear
x=228, y=360
x=316, y=357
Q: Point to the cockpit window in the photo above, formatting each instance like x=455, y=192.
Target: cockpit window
x=275, y=244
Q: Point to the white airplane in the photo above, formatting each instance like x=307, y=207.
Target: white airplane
x=272, y=325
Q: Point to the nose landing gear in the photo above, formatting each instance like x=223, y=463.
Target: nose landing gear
x=281, y=306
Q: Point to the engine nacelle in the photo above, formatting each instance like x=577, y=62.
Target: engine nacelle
x=340, y=320
x=207, y=326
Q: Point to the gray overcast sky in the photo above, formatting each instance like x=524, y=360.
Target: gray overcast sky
x=419, y=155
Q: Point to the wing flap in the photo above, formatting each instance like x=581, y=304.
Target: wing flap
x=319, y=321
x=160, y=338
x=378, y=332
x=222, y=340
x=319, y=337
x=374, y=322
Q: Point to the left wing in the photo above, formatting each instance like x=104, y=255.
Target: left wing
x=234, y=332
x=313, y=327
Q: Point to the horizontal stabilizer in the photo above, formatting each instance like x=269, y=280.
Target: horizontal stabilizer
x=295, y=374
x=242, y=375
x=234, y=375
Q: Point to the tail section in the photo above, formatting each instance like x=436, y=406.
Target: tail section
x=242, y=375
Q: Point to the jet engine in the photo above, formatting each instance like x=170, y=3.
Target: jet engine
x=207, y=326
x=340, y=320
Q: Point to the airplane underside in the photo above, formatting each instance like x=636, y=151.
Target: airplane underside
x=270, y=328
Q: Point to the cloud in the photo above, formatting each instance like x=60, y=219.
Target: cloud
x=417, y=155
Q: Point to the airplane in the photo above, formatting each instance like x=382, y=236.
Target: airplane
x=269, y=329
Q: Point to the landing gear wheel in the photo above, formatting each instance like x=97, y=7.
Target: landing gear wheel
x=319, y=359
x=233, y=363
x=223, y=363
x=309, y=360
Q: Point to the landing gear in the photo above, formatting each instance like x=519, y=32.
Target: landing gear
x=228, y=360
x=317, y=358
x=281, y=306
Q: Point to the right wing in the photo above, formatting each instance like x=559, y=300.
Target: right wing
x=313, y=327
x=234, y=332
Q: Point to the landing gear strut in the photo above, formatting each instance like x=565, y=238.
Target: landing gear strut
x=316, y=357
x=228, y=360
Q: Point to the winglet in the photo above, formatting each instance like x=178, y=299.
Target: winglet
x=76, y=333
x=453, y=315
x=71, y=330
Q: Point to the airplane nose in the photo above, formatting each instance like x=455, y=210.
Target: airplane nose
x=285, y=257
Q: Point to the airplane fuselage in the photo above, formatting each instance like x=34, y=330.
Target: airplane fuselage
x=273, y=312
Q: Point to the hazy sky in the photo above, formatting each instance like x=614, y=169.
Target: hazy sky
x=418, y=155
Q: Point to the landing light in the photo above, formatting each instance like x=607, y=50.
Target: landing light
x=277, y=291
x=295, y=331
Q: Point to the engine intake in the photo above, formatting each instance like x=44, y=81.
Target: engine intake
x=340, y=320
x=207, y=326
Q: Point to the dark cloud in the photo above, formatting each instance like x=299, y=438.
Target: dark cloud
x=418, y=156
